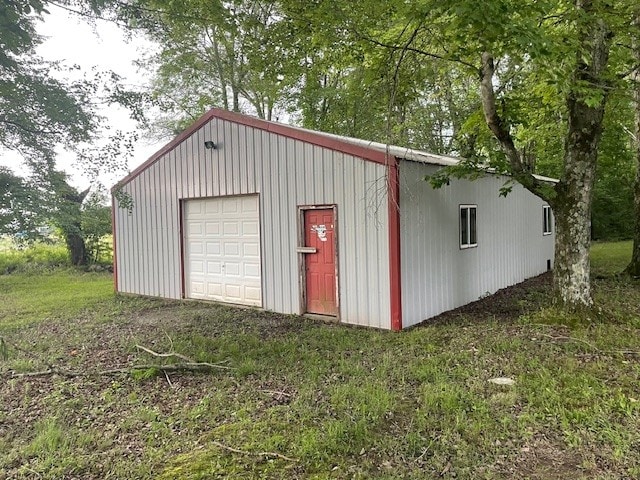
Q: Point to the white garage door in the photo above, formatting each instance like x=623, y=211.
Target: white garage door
x=222, y=250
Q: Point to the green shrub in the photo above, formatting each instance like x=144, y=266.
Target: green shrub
x=33, y=257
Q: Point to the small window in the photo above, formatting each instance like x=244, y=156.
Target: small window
x=546, y=220
x=468, y=234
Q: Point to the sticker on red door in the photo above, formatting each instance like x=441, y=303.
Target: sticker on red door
x=320, y=266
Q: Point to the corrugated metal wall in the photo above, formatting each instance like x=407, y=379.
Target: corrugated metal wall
x=286, y=173
x=436, y=274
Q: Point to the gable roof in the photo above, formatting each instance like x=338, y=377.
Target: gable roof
x=372, y=151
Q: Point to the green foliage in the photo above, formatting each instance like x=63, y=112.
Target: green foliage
x=20, y=208
x=83, y=222
x=39, y=111
x=125, y=200
x=613, y=215
x=231, y=55
x=47, y=106
x=96, y=227
x=61, y=294
x=141, y=375
x=49, y=438
x=35, y=257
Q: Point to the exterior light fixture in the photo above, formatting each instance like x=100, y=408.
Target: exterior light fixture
x=210, y=145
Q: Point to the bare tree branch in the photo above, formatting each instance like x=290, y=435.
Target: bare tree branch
x=521, y=170
x=165, y=355
x=409, y=48
x=173, y=367
x=258, y=454
x=493, y=119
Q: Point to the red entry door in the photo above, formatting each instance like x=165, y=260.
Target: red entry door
x=320, y=267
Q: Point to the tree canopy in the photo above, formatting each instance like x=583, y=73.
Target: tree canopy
x=20, y=208
x=515, y=87
x=48, y=106
x=38, y=112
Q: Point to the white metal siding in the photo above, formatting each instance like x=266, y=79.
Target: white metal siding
x=436, y=274
x=285, y=173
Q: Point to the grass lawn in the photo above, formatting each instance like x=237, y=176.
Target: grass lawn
x=301, y=399
x=51, y=296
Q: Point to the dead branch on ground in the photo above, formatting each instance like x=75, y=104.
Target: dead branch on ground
x=254, y=454
x=164, y=355
x=187, y=365
x=173, y=367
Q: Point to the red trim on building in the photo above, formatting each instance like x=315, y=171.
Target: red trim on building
x=394, y=246
x=272, y=127
x=183, y=290
x=113, y=235
x=303, y=135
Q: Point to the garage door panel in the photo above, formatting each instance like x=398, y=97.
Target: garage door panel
x=248, y=205
x=230, y=205
x=212, y=228
x=222, y=251
x=210, y=207
x=196, y=247
x=195, y=228
x=252, y=271
x=197, y=266
x=250, y=250
x=232, y=291
x=250, y=228
x=214, y=248
x=252, y=294
x=232, y=269
x=232, y=249
x=214, y=290
x=197, y=288
x=231, y=229
x=194, y=207
x=214, y=268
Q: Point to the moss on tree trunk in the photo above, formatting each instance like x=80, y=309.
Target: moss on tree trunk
x=633, y=268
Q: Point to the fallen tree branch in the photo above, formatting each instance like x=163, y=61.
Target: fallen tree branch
x=258, y=454
x=164, y=355
x=172, y=367
x=166, y=375
x=40, y=373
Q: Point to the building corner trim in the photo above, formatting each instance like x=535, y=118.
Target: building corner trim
x=394, y=244
x=113, y=236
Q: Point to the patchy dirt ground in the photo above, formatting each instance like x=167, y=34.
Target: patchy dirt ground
x=505, y=304
x=295, y=398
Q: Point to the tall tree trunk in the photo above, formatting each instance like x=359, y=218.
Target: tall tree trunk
x=633, y=268
x=219, y=66
x=574, y=193
x=69, y=219
x=571, y=198
x=76, y=246
x=572, y=212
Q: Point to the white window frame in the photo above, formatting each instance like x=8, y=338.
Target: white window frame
x=547, y=224
x=468, y=243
